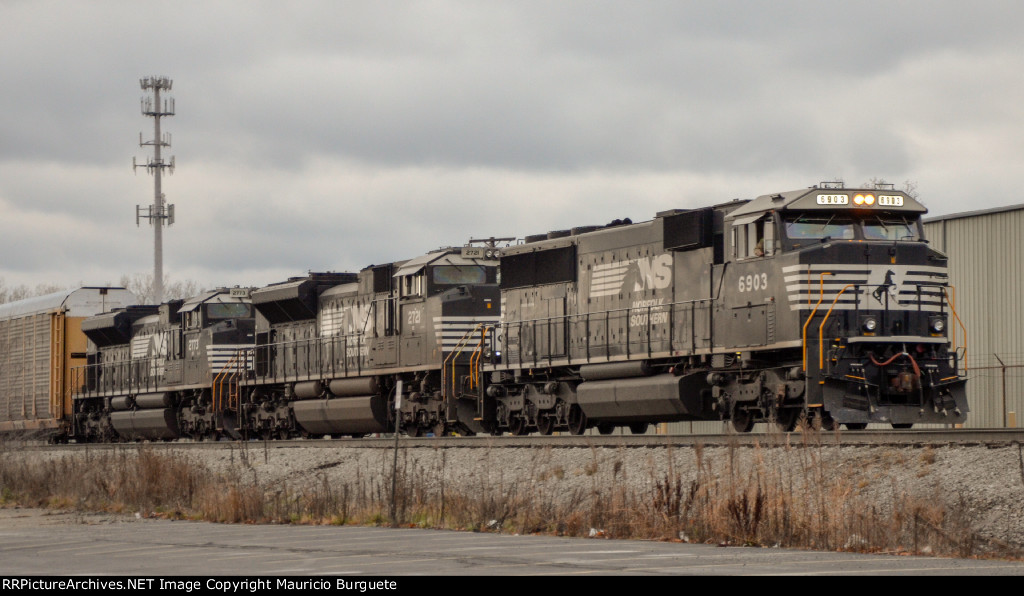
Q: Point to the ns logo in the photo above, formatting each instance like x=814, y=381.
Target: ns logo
x=651, y=273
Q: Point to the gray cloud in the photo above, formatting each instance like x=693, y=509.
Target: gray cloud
x=306, y=133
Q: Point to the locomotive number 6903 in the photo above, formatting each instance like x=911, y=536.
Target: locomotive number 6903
x=754, y=282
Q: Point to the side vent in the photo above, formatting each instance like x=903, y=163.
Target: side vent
x=557, y=265
x=688, y=230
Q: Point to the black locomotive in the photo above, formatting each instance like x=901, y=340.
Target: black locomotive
x=326, y=354
x=160, y=372
x=335, y=352
x=824, y=302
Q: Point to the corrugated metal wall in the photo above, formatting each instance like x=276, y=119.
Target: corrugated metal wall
x=25, y=368
x=986, y=263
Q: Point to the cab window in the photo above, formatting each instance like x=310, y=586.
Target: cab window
x=449, y=275
x=819, y=226
x=754, y=239
x=891, y=228
x=227, y=310
x=412, y=285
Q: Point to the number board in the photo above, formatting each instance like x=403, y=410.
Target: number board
x=890, y=201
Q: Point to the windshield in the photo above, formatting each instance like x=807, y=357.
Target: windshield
x=828, y=225
x=890, y=228
x=227, y=310
x=464, y=275
x=875, y=226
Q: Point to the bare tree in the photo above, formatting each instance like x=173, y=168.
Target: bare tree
x=141, y=284
x=20, y=292
x=909, y=186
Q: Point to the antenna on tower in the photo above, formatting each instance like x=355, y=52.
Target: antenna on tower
x=159, y=212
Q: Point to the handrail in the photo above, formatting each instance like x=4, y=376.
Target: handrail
x=522, y=327
x=225, y=372
x=315, y=349
x=821, y=297
x=963, y=328
x=474, y=360
x=135, y=375
x=626, y=309
x=821, y=328
x=453, y=355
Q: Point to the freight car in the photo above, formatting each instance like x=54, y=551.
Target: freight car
x=40, y=341
x=825, y=302
x=160, y=372
x=335, y=352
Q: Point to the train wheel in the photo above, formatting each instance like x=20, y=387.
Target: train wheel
x=639, y=428
x=742, y=420
x=903, y=426
x=605, y=428
x=855, y=425
x=786, y=419
x=517, y=426
x=546, y=425
x=577, y=420
x=827, y=421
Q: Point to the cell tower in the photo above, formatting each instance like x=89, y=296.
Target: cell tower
x=158, y=212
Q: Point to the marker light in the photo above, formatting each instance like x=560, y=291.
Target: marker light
x=870, y=324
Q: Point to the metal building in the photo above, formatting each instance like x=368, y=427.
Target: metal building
x=985, y=251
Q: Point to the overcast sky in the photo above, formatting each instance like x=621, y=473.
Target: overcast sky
x=334, y=135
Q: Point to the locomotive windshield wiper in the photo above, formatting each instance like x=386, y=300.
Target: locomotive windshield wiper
x=825, y=226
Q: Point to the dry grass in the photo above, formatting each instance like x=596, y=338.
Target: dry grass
x=787, y=496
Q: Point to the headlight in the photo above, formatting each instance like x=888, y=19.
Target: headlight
x=937, y=324
x=865, y=199
x=870, y=324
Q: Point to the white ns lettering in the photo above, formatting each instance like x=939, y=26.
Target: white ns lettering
x=655, y=273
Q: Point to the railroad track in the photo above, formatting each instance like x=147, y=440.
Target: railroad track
x=932, y=437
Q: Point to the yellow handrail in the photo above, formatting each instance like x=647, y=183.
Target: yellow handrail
x=454, y=355
x=821, y=328
x=821, y=296
x=952, y=308
x=474, y=360
x=220, y=376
